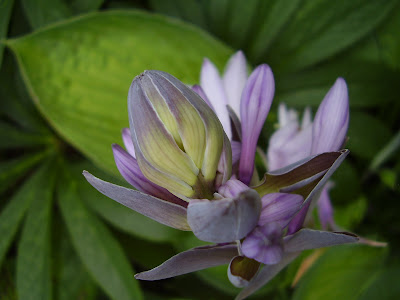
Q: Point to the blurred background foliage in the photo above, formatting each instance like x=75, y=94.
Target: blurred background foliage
x=65, y=70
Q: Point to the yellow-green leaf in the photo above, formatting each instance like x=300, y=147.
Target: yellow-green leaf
x=80, y=83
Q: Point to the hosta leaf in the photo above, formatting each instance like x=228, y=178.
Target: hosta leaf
x=340, y=273
x=5, y=14
x=33, y=259
x=97, y=248
x=13, y=212
x=320, y=29
x=82, y=82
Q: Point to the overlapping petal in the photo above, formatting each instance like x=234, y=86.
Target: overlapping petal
x=279, y=208
x=234, y=80
x=129, y=169
x=213, y=87
x=224, y=220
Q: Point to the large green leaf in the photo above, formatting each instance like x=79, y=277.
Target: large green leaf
x=13, y=212
x=97, y=248
x=33, y=259
x=341, y=273
x=80, y=84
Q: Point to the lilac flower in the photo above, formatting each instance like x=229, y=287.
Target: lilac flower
x=179, y=159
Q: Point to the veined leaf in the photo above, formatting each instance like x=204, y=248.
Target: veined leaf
x=97, y=248
x=13, y=212
x=82, y=82
x=33, y=259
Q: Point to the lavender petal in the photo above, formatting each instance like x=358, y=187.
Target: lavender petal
x=279, y=208
x=306, y=239
x=331, y=120
x=162, y=211
x=255, y=104
x=190, y=261
x=224, y=220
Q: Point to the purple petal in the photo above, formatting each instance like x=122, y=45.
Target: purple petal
x=199, y=90
x=190, y=261
x=279, y=208
x=325, y=209
x=241, y=270
x=236, y=147
x=306, y=239
x=264, y=244
x=331, y=120
x=232, y=188
x=312, y=197
x=297, y=222
x=265, y=275
x=127, y=139
x=255, y=104
x=225, y=220
x=129, y=169
x=212, y=85
x=162, y=211
x=234, y=80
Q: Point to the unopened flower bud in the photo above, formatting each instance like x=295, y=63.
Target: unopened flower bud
x=178, y=139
